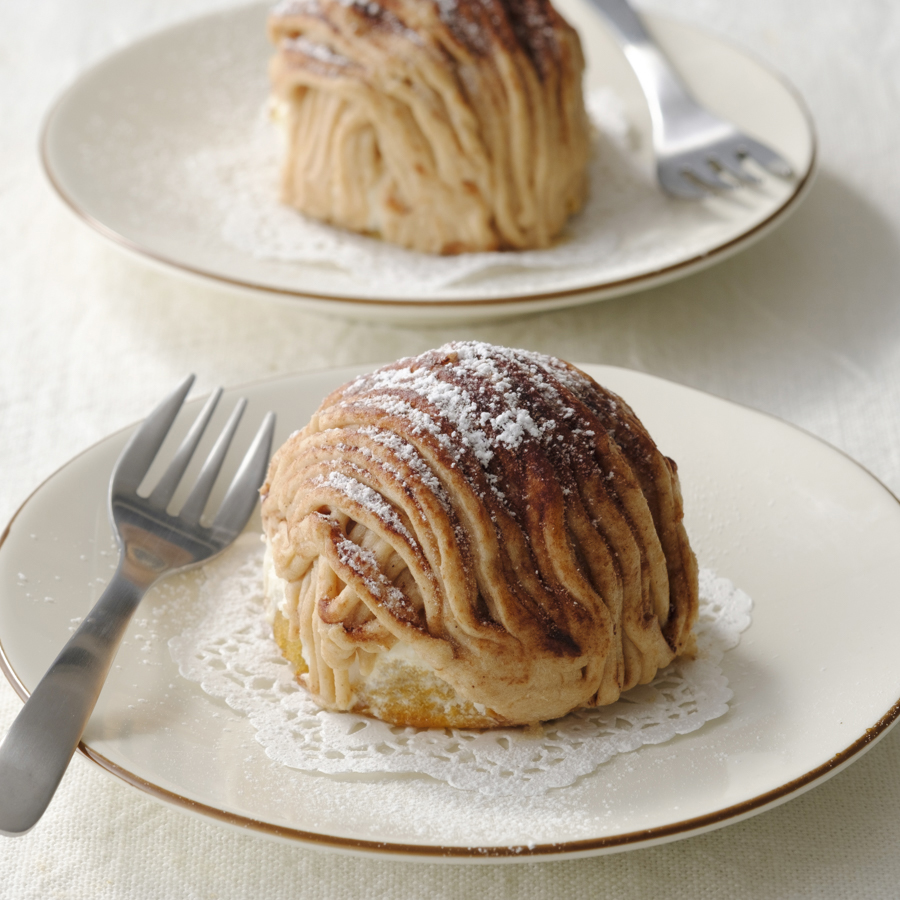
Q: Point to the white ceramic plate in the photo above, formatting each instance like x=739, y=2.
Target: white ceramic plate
x=122, y=148
x=810, y=535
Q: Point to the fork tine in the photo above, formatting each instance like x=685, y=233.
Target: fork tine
x=196, y=501
x=167, y=485
x=674, y=182
x=732, y=165
x=766, y=157
x=707, y=176
x=144, y=444
x=242, y=493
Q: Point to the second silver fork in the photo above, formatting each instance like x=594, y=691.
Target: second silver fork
x=694, y=148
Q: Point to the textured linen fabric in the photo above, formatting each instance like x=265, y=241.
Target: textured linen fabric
x=805, y=324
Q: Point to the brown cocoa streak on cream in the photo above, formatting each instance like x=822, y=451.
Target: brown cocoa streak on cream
x=528, y=26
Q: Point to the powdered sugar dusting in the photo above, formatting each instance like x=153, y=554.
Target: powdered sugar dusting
x=408, y=454
x=479, y=403
x=466, y=28
x=367, y=498
x=312, y=7
x=295, y=8
x=318, y=52
x=229, y=651
x=364, y=564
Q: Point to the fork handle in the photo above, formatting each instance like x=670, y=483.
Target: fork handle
x=665, y=91
x=37, y=749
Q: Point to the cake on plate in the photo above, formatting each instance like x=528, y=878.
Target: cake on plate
x=475, y=537
x=444, y=126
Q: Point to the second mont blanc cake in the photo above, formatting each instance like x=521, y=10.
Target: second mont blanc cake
x=445, y=126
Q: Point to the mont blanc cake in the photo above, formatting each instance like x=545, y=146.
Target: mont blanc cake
x=445, y=126
x=475, y=537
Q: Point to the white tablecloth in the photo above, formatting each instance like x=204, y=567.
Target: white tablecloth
x=805, y=325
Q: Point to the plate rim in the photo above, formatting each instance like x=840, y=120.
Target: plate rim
x=597, y=291
x=490, y=853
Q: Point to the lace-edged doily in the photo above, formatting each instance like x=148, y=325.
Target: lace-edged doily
x=241, y=179
x=230, y=652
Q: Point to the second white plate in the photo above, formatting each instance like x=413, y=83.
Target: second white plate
x=129, y=147
x=810, y=535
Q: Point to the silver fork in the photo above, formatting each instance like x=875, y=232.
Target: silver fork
x=693, y=147
x=152, y=543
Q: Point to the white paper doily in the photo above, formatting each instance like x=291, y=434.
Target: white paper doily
x=229, y=650
x=241, y=178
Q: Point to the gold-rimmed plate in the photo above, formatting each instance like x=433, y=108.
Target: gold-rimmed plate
x=124, y=144
x=805, y=531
